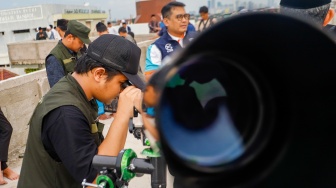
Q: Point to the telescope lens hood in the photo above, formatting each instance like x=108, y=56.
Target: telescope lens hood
x=251, y=103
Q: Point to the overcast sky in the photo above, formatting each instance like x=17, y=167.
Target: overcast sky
x=120, y=9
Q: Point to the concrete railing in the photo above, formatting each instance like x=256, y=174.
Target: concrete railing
x=31, y=54
x=20, y=95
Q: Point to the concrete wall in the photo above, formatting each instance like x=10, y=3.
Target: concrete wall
x=20, y=95
x=18, y=98
x=32, y=54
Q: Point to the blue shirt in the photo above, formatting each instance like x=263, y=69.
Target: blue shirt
x=54, y=70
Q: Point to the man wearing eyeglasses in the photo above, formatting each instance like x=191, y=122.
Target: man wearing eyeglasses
x=62, y=59
x=175, y=37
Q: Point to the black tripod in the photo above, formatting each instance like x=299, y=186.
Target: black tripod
x=158, y=175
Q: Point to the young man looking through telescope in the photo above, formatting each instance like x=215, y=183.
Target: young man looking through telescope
x=63, y=135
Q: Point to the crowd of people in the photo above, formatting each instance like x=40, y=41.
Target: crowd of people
x=64, y=130
x=49, y=33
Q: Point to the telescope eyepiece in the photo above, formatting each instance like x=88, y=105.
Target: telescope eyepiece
x=126, y=84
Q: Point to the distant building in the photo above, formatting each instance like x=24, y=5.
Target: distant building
x=213, y=4
x=145, y=8
x=20, y=24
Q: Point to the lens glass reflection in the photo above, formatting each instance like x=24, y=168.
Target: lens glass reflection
x=208, y=111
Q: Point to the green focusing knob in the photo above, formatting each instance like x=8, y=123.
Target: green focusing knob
x=147, y=142
x=105, y=179
x=126, y=160
x=148, y=152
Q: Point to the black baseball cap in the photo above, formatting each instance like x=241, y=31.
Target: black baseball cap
x=120, y=54
x=303, y=4
x=80, y=30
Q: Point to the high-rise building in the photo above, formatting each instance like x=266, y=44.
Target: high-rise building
x=213, y=4
x=237, y=5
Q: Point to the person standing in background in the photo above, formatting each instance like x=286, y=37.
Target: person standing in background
x=153, y=25
x=62, y=58
x=124, y=24
x=5, y=136
x=101, y=28
x=50, y=34
x=110, y=29
x=206, y=21
x=56, y=34
x=123, y=33
x=173, y=38
x=41, y=35
x=61, y=27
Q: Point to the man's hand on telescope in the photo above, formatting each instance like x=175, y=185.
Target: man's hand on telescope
x=130, y=97
x=115, y=139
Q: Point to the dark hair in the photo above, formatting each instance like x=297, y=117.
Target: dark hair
x=67, y=32
x=108, y=23
x=62, y=24
x=101, y=27
x=166, y=10
x=122, y=30
x=131, y=33
x=51, y=26
x=85, y=64
x=203, y=9
x=153, y=15
x=39, y=28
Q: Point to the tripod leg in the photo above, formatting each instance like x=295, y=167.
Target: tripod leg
x=159, y=176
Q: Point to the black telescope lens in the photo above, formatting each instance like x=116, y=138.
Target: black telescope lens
x=209, y=111
x=126, y=84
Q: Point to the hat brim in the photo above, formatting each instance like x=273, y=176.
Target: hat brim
x=85, y=40
x=136, y=80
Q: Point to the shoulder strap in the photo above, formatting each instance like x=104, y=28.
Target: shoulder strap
x=204, y=24
x=199, y=25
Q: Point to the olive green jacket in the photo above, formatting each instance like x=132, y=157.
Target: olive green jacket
x=38, y=168
x=67, y=60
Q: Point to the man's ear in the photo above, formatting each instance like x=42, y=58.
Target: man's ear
x=99, y=74
x=69, y=37
x=329, y=16
x=166, y=21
